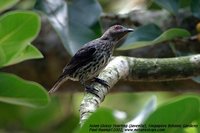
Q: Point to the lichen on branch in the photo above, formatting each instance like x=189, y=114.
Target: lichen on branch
x=138, y=69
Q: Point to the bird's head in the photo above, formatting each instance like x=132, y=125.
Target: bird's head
x=115, y=33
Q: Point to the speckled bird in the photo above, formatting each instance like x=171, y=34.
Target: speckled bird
x=89, y=60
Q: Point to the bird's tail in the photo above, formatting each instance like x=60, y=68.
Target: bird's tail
x=58, y=83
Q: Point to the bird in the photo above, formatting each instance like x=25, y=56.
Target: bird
x=89, y=60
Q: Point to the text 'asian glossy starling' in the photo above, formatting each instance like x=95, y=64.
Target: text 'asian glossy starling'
x=88, y=61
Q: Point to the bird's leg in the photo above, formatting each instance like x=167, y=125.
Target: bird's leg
x=90, y=89
x=103, y=82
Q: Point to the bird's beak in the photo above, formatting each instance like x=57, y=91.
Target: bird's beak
x=130, y=30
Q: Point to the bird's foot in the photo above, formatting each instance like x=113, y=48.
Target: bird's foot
x=103, y=82
x=92, y=90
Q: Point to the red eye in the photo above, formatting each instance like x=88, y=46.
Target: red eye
x=117, y=27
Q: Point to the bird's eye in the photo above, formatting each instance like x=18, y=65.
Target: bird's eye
x=117, y=27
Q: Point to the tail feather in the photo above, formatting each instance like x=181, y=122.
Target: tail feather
x=58, y=83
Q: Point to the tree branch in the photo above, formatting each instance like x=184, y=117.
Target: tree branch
x=138, y=69
x=164, y=69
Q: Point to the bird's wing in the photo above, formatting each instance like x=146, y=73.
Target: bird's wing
x=81, y=58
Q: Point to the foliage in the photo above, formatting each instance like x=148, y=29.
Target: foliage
x=18, y=29
x=16, y=35
x=177, y=111
x=5, y=4
x=195, y=8
x=141, y=37
x=69, y=20
x=173, y=6
x=170, y=5
x=74, y=30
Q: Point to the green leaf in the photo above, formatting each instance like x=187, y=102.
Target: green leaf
x=170, y=5
x=195, y=8
x=2, y=56
x=6, y=4
x=144, y=113
x=144, y=33
x=15, y=90
x=10, y=52
x=181, y=111
x=26, y=53
x=30, y=52
x=165, y=36
x=18, y=29
x=37, y=118
x=185, y=3
x=8, y=114
x=76, y=22
x=98, y=118
x=154, y=6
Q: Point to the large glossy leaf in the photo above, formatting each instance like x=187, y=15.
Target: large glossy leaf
x=5, y=4
x=170, y=5
x=76, y=22
x=29, y=52
x=37, y=118
x=144, y=33
x=2, y=56
x=181, y=111
x=146, y=36
x=143, y=115
x=15, y=90
x=99, y=118
x=195, y=8
x=19, y=26
x=18, y=29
